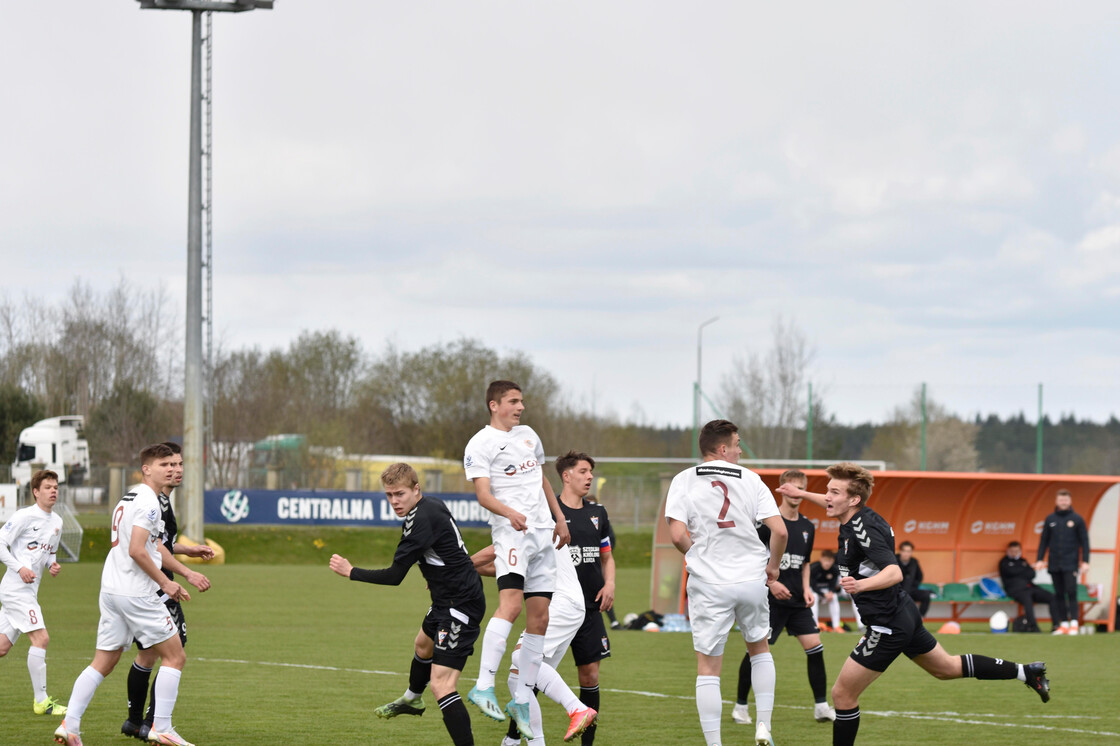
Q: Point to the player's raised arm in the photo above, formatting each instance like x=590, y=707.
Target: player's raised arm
x=791, y=489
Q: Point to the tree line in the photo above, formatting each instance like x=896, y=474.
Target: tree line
x=116, y=358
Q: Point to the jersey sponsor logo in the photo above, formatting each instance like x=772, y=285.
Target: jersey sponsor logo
x=721, y=471
x=33, y=546
x=510, y=470
x=575, y=554
x=235, y=506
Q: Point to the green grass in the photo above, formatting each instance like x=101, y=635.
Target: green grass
x=293, y=654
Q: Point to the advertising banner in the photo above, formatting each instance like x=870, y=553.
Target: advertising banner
x=326, y=508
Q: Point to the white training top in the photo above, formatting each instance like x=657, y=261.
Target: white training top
x=138, y=510
x=29, y=539
x=720, y=503
x=513, y=462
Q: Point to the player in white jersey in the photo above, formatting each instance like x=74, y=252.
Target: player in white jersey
x=28, y=545
x=712, y=510
x=565, y=616
x=505, y=460
x=132, y=588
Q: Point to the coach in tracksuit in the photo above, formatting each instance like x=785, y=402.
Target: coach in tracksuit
x=1065, y=535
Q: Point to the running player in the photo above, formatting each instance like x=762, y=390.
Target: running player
x=565, y=617
x=131, y=608
x=712, y=510
x=139, y=724
x=28, y=545
x=590, y=528
x=791, y=602
x=447, y=635
x=505, y=461
x=869, y=571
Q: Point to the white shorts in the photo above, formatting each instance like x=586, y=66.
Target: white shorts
x=713, y=608
x=529, y=554
x=21, y=611
x=127, y=618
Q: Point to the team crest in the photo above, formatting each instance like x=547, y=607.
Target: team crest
x=595, y=522
x=528, y=443
x=806, y=535
x=442, y=637
x=606, y=643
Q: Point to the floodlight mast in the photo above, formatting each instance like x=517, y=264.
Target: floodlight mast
x=194, y=465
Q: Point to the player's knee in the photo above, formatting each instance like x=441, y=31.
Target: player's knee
x=842, y=698
x=588, y=675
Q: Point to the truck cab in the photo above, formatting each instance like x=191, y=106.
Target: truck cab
x=59, y=445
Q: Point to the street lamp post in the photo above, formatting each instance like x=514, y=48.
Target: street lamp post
x=697, y=388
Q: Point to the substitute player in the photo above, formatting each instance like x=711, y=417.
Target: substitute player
x=505, y=460
x=139, y=724
x=591, y=553
x=712, y=510
x=565, y=618
x=430, y=537
x=131, y=609
x=28, y=545
x=869, y=571
x=791, y=602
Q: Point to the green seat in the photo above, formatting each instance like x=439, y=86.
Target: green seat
x=933, y=588
x=956, y=592
x=1048, y=587
x=1083, y=594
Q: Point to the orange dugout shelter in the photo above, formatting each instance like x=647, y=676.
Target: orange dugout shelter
x=960, y=525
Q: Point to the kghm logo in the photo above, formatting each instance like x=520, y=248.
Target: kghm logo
x=235, y=506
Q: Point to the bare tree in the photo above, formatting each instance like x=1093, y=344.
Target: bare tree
x=765, y=392
x=950, y=441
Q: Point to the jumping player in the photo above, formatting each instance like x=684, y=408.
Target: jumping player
x=28, y=545
x=505, y=460
x=131, y=609
x=447, y=635
x=139, y=723
x=592, y=556
x=791, y=602
x=869, y=571
x=712, y=510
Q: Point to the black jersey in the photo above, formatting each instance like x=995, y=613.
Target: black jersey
x=590, y=529
x=170, y=529
x=429, y=536
x=799, y=547
x=866, y=547
x=824, y=580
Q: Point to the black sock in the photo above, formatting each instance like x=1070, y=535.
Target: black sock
x=744, y=680
x=818, y=681
x=589, y=695
x=983, y=667
x=611, y=616
x=846, y=727
x=512, y=732
x=150, y=715
x=456, y=719
x=419, y=674
x=138, y=680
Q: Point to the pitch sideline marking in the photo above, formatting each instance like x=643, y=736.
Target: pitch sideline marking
x=949, y=716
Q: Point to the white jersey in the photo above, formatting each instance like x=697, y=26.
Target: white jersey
x=136, y=511
x=514, y=463
x=29, y=539
x=567, y=581
x=720, y=503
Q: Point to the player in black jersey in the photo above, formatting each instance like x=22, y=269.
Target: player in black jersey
x=590, y=529
x=139, y=722
x=447, y=636
x=869, y=571
x=791, y=603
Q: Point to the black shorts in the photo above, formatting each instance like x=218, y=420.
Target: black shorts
x=797, y=621
x=175, y=611
x=454, y=631
x=591, y=642
x=877, y=649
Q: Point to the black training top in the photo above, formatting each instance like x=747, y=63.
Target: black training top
x=1016, y=574
x=866, y=547
x=799, y=547
x=429, y=536
x=1064, y=533
x=591, y=537
x=170, y=529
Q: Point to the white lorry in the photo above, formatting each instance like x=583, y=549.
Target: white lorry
x=59, y=445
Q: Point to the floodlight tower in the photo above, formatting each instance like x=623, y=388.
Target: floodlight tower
x=194, y=434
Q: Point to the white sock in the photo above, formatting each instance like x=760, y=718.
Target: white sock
x=834, y=610
x=763, y=680
x=1022, y=675
x=167, y=691
x=411, y=696
x=493, y=649
x=532, y=655
x=709, y=705
x=552, y=685
x=37, y=667
x=84, y=687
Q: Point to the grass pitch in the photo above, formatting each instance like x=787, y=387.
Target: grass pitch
x=293, y=654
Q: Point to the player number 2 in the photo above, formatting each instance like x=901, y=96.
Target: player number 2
x=720, y=522
x=117, y=515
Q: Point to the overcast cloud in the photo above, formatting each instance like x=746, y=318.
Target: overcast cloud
x=931, y=191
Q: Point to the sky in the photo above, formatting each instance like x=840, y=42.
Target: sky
x=929, y=191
